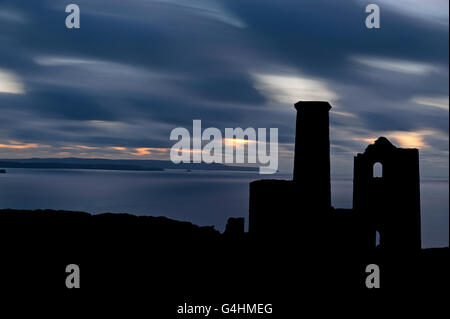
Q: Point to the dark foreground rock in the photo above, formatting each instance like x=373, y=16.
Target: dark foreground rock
x=167, y=263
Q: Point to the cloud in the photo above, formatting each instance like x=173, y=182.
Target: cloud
x=208, y=8
x=137, y=69
x=81, y=147
x=10, y=83
x=432, y=11
x=410, y=139
x=11, y=16
x=441, y=102
x=19, y=145
x=63, y=61
x=290, y=89
x=142, y=151
x=395, y=65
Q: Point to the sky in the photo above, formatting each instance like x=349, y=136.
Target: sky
x=137, y=69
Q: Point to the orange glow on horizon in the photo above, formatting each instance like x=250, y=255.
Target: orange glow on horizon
x=237, y=141
x=19, y=145
x=141, y=151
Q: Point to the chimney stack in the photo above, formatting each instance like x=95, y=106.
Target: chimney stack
x=312, y=152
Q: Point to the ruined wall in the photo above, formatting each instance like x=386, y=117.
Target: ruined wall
x=390, y=203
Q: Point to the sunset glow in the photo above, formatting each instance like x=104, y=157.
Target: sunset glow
x=19, y=146
x=141, y=151
x=237, y=141
x=410, y=139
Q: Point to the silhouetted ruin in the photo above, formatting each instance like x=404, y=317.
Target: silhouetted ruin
x=301, y=208
x=390, y=202
x=235, y=226
x=312, y=153
x=296, y=241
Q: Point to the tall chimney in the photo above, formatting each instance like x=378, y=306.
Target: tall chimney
x=312, y=152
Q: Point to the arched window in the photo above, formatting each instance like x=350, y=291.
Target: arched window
x=377, y=170
x=377, y=242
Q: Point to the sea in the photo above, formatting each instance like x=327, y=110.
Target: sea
x=206, y=198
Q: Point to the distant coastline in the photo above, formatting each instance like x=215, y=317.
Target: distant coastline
x=51, y=165
x=106, y=164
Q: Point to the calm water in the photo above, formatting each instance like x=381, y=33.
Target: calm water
x=205, y=198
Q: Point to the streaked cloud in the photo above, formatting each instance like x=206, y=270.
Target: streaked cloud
x=14, y=145
x=137, y=69
x=63, y=61
x=434, y=11
x=142, y=151
x=288, y=89
x=81, y=147
x=208, y=8
x=345, y=114
x=237, y=141
x=409, y=139
x=395, y=65
x=404, y=139
x=12, y=16
x=90, y=65
x=10, y=83
x=441, y=102
x=366, y=140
